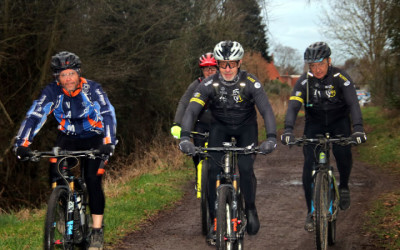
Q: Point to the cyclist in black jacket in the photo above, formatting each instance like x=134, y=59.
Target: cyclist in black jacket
x=330, y=99
x=208, y=66
x=231, y=96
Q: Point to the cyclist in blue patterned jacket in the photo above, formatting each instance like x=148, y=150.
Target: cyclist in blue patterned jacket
x=86, y=121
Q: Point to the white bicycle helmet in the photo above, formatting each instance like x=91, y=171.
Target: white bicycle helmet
x=228, y=50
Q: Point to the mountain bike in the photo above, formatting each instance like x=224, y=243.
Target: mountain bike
x=67, y=223
x=201, y=186
x=325, y=199
x=230, y=222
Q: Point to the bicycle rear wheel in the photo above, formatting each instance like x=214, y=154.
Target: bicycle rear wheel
x=83, y=232
x=332, y=222
x=55, y=223
x=204, y=209
x=224, y=216
x=321, y=210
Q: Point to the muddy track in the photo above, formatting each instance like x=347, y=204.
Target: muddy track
x=281, y=208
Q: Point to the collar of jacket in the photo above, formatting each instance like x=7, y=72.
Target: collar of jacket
x=76, y=91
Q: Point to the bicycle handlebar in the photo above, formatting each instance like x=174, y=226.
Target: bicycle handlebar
x=228, y=148
x=195, y=133
x=343, y=141
x=58, y=152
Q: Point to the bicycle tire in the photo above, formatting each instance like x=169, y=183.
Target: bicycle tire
x=331, y=232
x=204, y=208
x=55, y=223
x=332, y=222
x=80, y=187
x=224, y=217
x=321, y=210
x=239, y=243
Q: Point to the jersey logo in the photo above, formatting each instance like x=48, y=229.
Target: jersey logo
x=257, y=85
x=236, y=96
x=330, y=92
x=222, y=95
x=208, y=82
x=251, y=79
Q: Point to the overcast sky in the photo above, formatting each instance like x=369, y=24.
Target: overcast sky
x=295, y=23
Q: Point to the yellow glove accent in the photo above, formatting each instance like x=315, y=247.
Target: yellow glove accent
x=176, y=132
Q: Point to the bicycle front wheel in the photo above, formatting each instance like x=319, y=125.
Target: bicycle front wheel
x=321, y=210
x=224, y=216
x=55, y=223
x=204, y=209
x=239, y=244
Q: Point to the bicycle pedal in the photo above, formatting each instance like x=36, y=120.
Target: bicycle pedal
x=211, y=242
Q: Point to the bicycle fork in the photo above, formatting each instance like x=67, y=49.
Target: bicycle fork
x=333, y=194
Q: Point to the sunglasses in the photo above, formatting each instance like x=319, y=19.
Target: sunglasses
x=231, y=64
x=209, y=69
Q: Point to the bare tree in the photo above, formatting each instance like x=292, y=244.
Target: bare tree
x=359, y=28
x=287, y=60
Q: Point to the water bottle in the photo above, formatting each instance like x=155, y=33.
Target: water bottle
x=322, y=158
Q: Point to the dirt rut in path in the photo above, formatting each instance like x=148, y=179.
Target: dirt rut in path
x=281, y=208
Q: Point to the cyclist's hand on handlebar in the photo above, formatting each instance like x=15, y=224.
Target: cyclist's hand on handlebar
x=23, y=153
x=186, y=146
x=176, y=131
x=359, y=137
x=107, y=149
x=268, y=146
x=287, y=137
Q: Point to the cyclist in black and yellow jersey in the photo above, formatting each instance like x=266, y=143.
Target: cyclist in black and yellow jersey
x=329, y=98
x=231, y=95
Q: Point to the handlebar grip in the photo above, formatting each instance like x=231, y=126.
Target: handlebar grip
x=101, y=169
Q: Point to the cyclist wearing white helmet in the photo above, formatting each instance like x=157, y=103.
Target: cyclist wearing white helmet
x=231, y=95
x=329, y=97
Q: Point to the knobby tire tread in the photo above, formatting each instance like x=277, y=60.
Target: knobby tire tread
x=56, y=218
x=321, y=210
x=332, y=223
x=204, y=209
x=224, y=199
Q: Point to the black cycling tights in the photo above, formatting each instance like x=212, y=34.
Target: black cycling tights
x=342, y=154
x=89, y=167
x=244, y=136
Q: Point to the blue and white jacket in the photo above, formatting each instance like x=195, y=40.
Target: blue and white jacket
x=82, y=113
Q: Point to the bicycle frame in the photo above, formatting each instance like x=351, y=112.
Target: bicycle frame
x=228, y=190
x=324, y=188
x=76, y=196
x=323, y=167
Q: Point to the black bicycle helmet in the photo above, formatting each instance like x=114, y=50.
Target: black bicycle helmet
x=317, y=52
x=65, y=60
x=228, y=50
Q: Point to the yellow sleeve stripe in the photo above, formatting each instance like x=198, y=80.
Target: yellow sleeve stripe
x=296, y=98
x=199, y=101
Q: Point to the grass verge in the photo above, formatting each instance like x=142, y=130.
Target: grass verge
x=151, y=184
x=383, y=150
